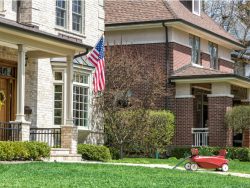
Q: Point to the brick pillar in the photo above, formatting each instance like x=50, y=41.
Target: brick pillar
x=246, y=138
x=219, y=134
x=69, y=138
x=184, y=121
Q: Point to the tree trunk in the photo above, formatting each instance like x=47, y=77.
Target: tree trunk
x=121, y=151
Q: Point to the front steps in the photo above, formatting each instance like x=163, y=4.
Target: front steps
x=63, y=154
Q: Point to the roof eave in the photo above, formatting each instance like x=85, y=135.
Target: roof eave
x=213, y=78
x=158, y=23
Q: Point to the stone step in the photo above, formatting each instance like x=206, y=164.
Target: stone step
x=60, y=151
x=66, y=157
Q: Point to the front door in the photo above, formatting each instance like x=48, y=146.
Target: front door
x=8, y=88
x=4, y=107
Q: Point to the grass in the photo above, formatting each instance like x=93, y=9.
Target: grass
x=234, y=165
x=108, y=176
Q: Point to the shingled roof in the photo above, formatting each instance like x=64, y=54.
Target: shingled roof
x=122, y=12
x=196, y=71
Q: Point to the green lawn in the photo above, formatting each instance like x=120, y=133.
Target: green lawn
x=234, y=165
x=108, y=176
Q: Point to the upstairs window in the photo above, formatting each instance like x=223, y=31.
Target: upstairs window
x=61, y=13
x=196, y=4
x=77, y=15
x=1, y=5
x=194, y=42
x=213, y=51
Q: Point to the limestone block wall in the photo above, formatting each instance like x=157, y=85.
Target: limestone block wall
x=45, y=93
x=31, y=83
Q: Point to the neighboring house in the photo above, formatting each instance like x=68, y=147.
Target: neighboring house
x=38, y=42
x=195, y=52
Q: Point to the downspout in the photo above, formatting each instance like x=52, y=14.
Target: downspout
x=167, y=62
x=18, y=12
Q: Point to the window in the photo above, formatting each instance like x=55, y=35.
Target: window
x=196, y=7
x=58, y=98
x=81, y=99
x=14, y=5
x=77, y=15
x=61, y=13
x=195, y=43
x=1, y=5
x=213, y=50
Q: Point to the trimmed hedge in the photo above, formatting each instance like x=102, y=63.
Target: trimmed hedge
x=240, y=153
x=23, y=151
x=94, y=152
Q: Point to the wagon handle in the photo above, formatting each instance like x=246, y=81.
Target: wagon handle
x=178, y=164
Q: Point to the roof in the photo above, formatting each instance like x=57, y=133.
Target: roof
x=190, y=72
x=31, y=29
x=122, y=12
x=194, y=71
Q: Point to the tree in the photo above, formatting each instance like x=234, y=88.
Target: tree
x=238, y=117
x=122, y=103
x=233, y=16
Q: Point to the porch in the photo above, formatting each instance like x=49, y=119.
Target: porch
x=201, y=104
x=23, y=51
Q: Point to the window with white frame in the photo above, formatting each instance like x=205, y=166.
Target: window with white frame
x=213, y=50
x=77, y=15
x=58, y=97
x=196, y=4
x=194, y=42
x=61, y=13
x=81, y=99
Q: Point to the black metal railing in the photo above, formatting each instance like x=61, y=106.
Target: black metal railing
x=10, y=131
x=52, y=136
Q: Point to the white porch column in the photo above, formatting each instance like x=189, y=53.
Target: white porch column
x=183, y=91
x=221, y=90
x=69, y=131
x=69, y=101
x=20, y=84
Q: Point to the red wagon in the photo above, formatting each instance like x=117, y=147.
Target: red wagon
x=207, y=162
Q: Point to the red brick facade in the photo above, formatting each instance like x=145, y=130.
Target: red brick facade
x=184, y=121
x=219, y=134
x=185, y=108
x=246, y=138
x=226, y=66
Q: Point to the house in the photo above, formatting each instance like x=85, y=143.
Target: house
x=48, y=91
x=202, y=84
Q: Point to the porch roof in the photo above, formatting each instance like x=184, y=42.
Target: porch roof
x=202, y=75
x=37, y=41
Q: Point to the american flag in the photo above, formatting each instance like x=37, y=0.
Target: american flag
x=96, y=57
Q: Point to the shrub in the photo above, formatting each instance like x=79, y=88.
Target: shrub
x=23, y=151
x=238, y=117
x=94, y=152
x=160, y=129
x=180, y=152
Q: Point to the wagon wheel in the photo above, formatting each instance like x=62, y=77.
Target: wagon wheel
x=224, y=168
x=187, y=166
x=194, y=167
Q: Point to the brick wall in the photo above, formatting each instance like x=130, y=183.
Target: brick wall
x=152, y=53
x=181, y=55
x=184, y=121
x=226, y=66
x=205, y=60
x=219, y=134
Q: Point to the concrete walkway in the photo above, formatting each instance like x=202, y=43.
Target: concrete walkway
x=163, y=166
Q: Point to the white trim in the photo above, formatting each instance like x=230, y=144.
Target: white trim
x=184, y=96
x=193, y=11
x=226, y=59
x=196, y=65
x=246, y=100
x=220, y=95
x=134, y=26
